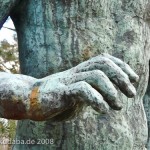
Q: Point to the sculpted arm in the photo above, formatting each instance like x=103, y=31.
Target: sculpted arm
x=6, y=6
x=89, y=83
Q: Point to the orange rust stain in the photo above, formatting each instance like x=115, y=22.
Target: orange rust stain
x=35, y=111
x=34, y=98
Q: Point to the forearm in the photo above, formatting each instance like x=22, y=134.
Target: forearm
x=30, y=104
x=24, y=97
x=14, y=95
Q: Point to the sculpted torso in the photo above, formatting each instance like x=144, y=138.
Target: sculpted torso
x=58, y=35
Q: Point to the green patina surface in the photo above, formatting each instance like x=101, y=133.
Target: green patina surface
x=56, y=35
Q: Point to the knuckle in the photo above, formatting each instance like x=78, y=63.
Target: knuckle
x=97, y=72
x=83, y=85
x=82, y=88
x=107, y=60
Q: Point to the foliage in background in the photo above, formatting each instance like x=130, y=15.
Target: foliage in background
x=9, y=56
x=9, y=63
x=7, y=129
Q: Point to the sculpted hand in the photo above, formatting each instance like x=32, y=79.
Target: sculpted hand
x=91, y=83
